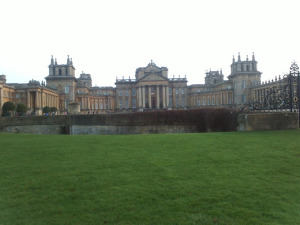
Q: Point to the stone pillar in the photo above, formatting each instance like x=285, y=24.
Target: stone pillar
x=28, y=99
x=143, y=94
x=167, y=95
x=36, y=99
x=164, y=96
x=157, y=97
x=140, y=97
x=221, y=100
x=149, y=96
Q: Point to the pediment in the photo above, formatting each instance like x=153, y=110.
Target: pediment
x=153, y=77
x=152, y=68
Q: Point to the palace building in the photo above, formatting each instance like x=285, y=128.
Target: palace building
x=151, y=89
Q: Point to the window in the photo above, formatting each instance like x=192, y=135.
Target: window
x=133, y=92
x=126, y=103
x=66, y=104
x=101, y=105
x=177, y=91
x=170, y=101
x=120, y=103
x=243, y=98
x=182, y=91
x=133, y=103
x=170, y=90
x=66, y=89
x=120, y=93
x=59, y=72
x=177, y=101
x=198, y=90
x=126, y=92
x=183, y=101
x=243, y=84
x=203, y=101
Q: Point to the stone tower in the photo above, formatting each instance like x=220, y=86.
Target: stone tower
x=244, y=76
x=214, y=77
x=62, y=78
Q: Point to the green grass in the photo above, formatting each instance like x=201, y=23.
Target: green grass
x=206, y=178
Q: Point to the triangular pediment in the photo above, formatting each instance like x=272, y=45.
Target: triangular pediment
x=152, y=68
x=153, y=77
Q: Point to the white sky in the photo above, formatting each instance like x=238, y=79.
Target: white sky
x=111, y=38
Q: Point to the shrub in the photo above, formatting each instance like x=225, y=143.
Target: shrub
x=7, y=108
x=21, y=108
x=53, y=109
x=46, y=109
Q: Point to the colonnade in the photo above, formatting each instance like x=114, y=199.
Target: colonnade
x=95, y=103
x=40, y=99
x=153, y=94
x=222, y=98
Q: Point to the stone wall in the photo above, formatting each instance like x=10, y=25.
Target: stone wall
x=268, y=121
x=35, y=124
x=139, y=124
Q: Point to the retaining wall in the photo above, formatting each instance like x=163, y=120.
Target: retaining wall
x=143, y=124
x=267, y=121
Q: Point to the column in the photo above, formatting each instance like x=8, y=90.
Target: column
x=164, y=96
x=167, y=95
x=144, y=95
x=140, y=97
x=221, y=100
x=36, y=99
x=149, y=96
x=157, y=97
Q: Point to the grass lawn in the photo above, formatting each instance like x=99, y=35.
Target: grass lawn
x=205, y=178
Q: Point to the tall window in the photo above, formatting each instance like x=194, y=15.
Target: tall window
x=170, y=101
x=170, y=90
x=133, y=92
x=66, y=89
x=120, y=93
x=177, y=91
x=126, y=103
x=182, y=90
x=120, y=103
x=183, y=101
x=243, y=84
x=243, y=98
x=133, y=103
x=126, y=92
x=59, y=72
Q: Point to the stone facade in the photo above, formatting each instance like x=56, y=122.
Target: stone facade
x=151, y=89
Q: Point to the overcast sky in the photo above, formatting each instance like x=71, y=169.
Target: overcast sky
x=112, y=38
